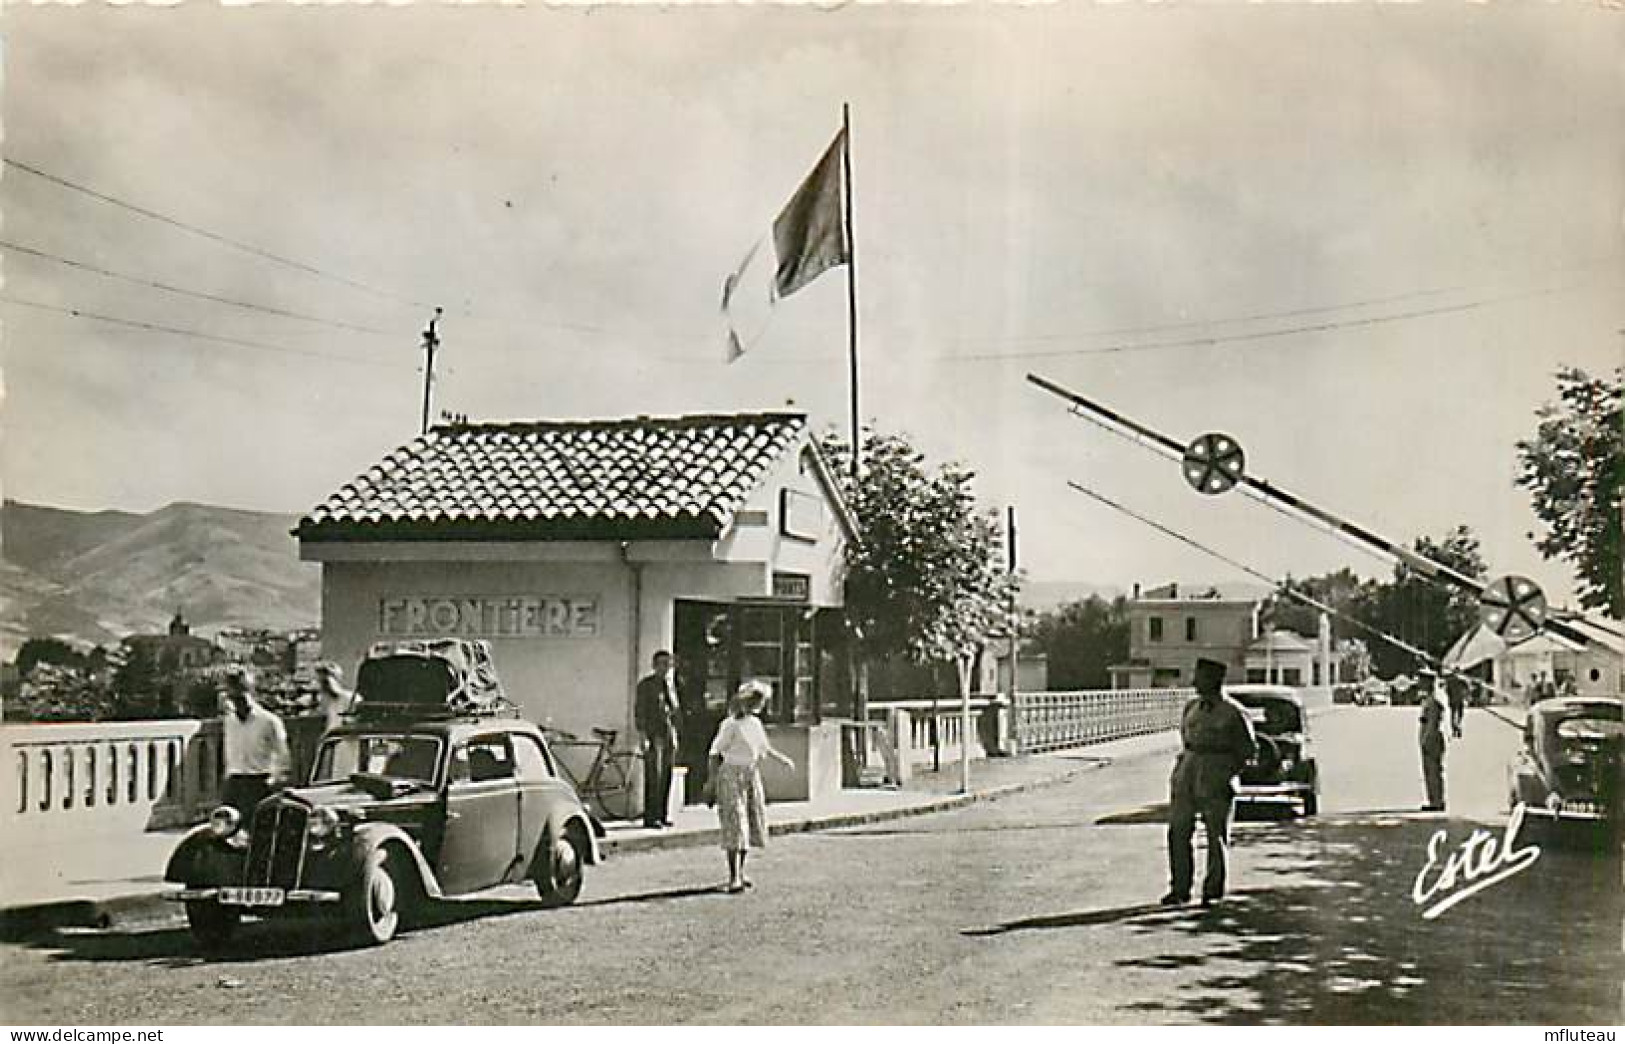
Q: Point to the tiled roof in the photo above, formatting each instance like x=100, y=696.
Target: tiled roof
x=642, y=477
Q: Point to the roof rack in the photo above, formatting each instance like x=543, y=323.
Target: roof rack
x=372, y=710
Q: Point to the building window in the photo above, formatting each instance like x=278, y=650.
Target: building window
x=1190, y=628
x=1164, y=677
x=1154, y=624
x=1292, y=676
x=1256, y=676
x=762, y=658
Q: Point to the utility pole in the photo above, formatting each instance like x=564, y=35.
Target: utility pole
x=431, y=341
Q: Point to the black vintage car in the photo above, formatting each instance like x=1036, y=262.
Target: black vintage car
x=1568, y=769
x=428, y=791
x=1284, y=771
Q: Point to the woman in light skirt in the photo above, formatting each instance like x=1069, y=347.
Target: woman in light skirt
x=735, y=783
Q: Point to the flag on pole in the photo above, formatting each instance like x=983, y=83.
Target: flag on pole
x=809, y=238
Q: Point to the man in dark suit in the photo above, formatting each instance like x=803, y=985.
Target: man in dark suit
x=659, y=718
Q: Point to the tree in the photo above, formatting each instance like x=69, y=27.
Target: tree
x=47, y=650
x=1081, y=640
x=1419, y=611
x=926, y=578
x=1339, y=591
x=1573, y=467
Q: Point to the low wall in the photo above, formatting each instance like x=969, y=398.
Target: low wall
x=114, y=777
x=923, y=735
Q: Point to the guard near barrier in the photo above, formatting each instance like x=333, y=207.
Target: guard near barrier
x=1218, y=739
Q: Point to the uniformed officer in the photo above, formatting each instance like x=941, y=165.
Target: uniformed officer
x=1430, y=738
x=1218, y=740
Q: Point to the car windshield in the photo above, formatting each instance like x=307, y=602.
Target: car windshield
x=394, y=755
x=1272, y=716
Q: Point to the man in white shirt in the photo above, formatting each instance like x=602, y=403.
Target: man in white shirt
x=257, y=760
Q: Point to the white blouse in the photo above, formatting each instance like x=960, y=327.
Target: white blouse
x=740, y=741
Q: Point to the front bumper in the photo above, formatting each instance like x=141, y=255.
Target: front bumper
x=1274, y=793
x=1571, y=812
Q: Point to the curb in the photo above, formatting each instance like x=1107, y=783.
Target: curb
x=840, y=820
x=19, y=923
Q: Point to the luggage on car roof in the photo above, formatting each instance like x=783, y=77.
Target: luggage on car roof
x=438, y=677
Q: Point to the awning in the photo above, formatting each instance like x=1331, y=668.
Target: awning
x=1473, y=648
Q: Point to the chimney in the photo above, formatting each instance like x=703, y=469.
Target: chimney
x=1173, y=590
x=1136, y=590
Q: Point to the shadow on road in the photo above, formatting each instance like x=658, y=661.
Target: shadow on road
x=1321, y=928
x=1340, y=939
x=254, y=940
x=1082, y=919
x=657, y=897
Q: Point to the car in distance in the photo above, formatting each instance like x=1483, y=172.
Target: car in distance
x=1568, y=769
x=1373, y=692
x=409, y=801
x=1284, y=771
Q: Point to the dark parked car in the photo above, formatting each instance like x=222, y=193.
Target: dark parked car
x=1569, y=767
x=430, y=792
x=1284, y=771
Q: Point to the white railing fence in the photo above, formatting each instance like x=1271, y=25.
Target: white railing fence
x=917, y=735
x=149, y=775
x=1045, y=721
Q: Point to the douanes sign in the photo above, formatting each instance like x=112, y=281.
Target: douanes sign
x=489, y=616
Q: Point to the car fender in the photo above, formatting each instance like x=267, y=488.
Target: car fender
x=369, y=837
x=559, y=824
x=200, y=857
x=1525, y=780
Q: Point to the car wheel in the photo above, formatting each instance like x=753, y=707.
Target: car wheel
x=212, y=925
x=374, y=906
x=558, y=878
x=1311, y=803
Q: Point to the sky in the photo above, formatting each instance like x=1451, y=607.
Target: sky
x=1386, y=225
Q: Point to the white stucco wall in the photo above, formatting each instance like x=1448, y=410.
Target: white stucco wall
x=577, y=682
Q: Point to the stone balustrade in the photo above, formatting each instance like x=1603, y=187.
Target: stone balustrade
x=1045, y=721
x=916, y=735
x=113, y=776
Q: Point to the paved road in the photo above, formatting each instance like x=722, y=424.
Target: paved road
x=1038, y=908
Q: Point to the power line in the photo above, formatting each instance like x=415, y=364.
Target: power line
x=1265, y=335
x=236, y=342
x=139, y=281
x=205, y=233
x=1194, y=324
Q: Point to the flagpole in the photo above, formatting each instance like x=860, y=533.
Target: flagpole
x=851, y=284
x=860, y=680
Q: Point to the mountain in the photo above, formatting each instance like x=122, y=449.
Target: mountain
x=97, y=576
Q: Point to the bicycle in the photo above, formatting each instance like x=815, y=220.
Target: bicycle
x=607, y=785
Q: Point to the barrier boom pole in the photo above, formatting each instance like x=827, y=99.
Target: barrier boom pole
x=1435, y=571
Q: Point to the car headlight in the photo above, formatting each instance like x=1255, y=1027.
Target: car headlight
x=1288, y=764
x=324, y=823
x=1554, y=801
x=224, y=821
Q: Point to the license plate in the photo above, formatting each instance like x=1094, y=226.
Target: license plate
x=252, y=896
x=1585, y=808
